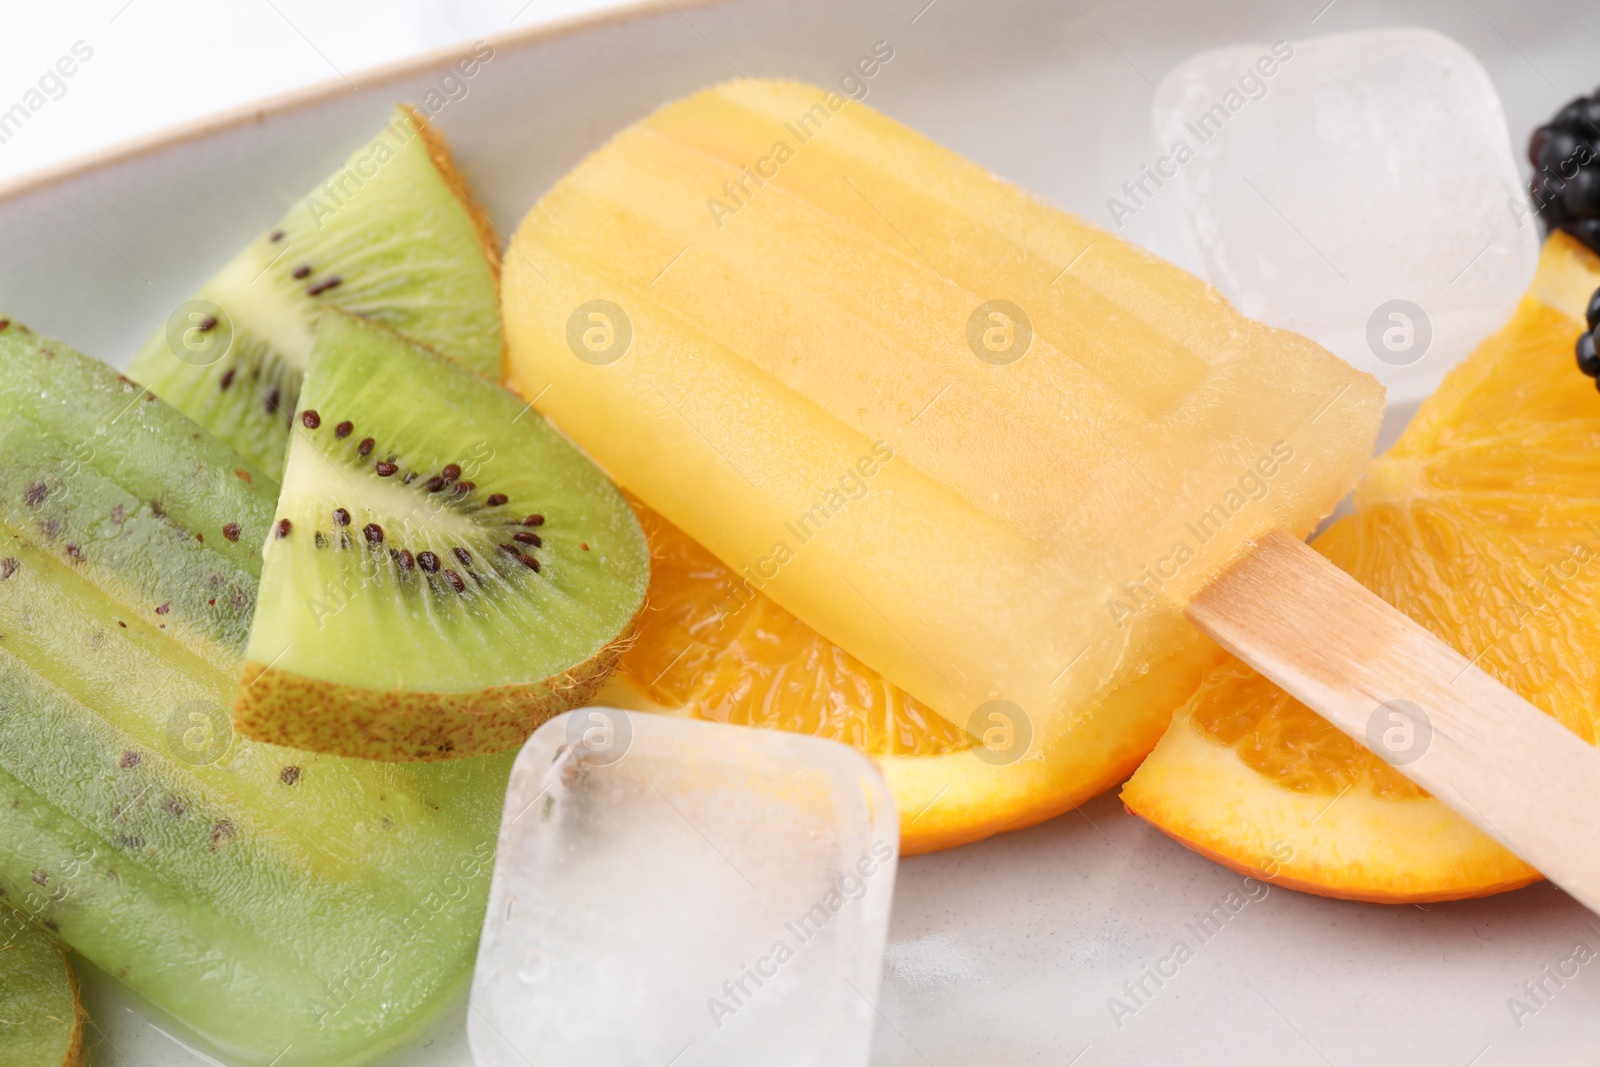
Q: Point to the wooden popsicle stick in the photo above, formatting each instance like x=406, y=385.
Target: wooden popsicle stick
x=1498, y=761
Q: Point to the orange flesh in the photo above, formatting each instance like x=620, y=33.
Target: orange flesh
x=709, y=643
x=1483, y=524
x=1286, y=742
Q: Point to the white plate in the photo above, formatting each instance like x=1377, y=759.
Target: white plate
x=1005, y=952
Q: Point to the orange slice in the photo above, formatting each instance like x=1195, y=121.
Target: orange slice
x=712, y=647
x=1483, y=524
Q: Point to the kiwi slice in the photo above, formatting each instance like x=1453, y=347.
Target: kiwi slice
x=392, y=235
x=290, y=908
x=445, y=571
x=41, y=1018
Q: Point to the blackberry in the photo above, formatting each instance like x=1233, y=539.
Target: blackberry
x=1588, y=356
x=1565, y=155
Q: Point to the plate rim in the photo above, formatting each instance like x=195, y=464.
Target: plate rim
x=331, y=89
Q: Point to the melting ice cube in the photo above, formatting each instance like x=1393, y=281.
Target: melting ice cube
x=673, y=891
x=1358, y=188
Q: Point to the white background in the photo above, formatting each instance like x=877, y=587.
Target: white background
x=157, y=63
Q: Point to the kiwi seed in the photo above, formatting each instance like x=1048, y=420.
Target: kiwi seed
x=521, y=557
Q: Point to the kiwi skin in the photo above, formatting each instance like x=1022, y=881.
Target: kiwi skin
x=74, y=1055
x=488, y=238
x=25, y=960
x=445, y=163
x=345, y=720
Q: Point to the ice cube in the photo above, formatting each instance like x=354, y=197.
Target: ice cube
x=673, y=891
x=1358, y=188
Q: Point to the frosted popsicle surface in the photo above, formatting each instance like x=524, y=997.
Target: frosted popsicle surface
x=988, y=448
x=676, y=891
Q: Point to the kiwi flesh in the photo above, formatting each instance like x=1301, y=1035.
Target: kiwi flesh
x=393, y=235
x=289, y=908
x=41, y=1017
x=99, y=474
x=445, y=572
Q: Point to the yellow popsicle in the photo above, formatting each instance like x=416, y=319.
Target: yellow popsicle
x=988, y=448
